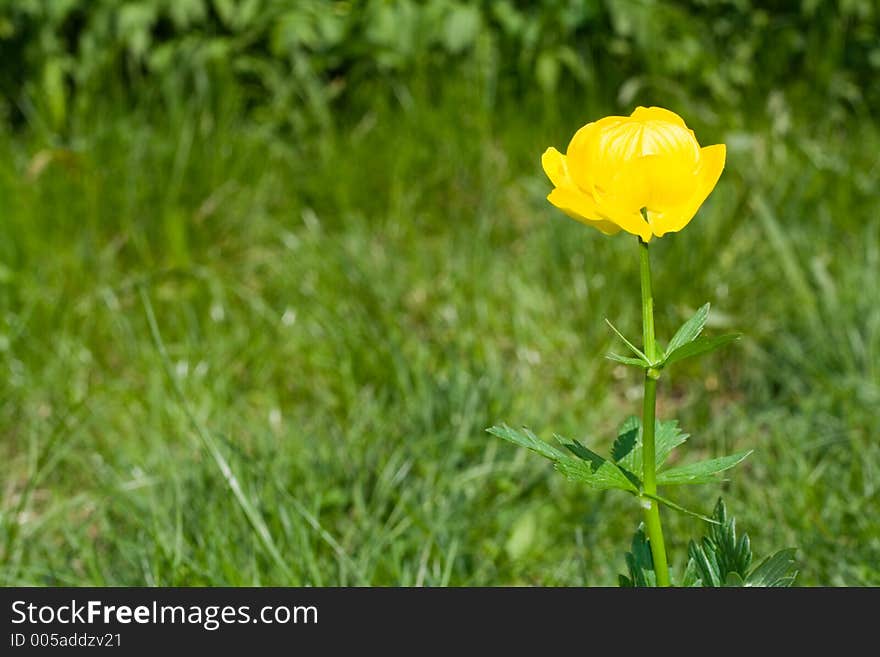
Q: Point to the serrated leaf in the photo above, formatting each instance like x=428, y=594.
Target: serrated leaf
x=776, y=570
x=691, y=577
x=667, y=436
x=639, y=562
x=626, y=360
x=705, y=564
x=734, y=555
x=606, y=477
x=629, y=344
x=721, y=558
x=525, y=438
x=593, y=469
x=589, y=468
x=631, y=459
x=627, y=448
x=627, y=438
x=689, y=331
x=700, y=346
x=583, y=452
x=700, y=472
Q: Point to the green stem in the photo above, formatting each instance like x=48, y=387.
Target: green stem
x=649, y=478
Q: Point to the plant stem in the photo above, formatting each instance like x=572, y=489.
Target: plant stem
x=649, y=478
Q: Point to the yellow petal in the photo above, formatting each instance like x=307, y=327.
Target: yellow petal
x=657, y=114
x=555, y=167
x=567, y=197
x=676, y=217
x=580, y=207
x=626, y=218
x=631, y=221
x=584, y=155
x=672, y=177
x=626, y=195
x=669, y=139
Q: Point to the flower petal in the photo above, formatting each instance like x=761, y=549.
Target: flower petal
x=677, y=217
x=585, y=157
x=556, y=168
x=672, y=177
x=580, y=207
x=657, y=114
x=629, y=220
x=628, y=192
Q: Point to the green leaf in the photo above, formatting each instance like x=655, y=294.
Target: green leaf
x=639, y=562
x=627, y=448
x=722, y=559
x=689, y=330
x=628, y=438
x=667, y=436
x=705, y=563
x=525, y=438
x=593, y=469
x=583, y=452
x=626, y=360
x=700, y=346
x=629, y=344
x=605, y=477
x=776, y=570
x=589, y=468
x=700, y=472
x=733, y=554
x=733, y=580
x=691, y=577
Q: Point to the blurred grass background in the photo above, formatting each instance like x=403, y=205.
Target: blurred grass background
x=335, y=212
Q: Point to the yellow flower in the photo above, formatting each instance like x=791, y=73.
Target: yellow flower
x=617, y=166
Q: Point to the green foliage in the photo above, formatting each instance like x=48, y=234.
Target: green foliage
x=701, y=472
x=626, y=360
x=525, y=438
x=293, y=61
x=627, y=447
x=721, y=553
x=702, y=345
x=721, y=558
x=689, y=331
x=685, y=343
x=627, y=453
x=776, y=570
x=639, y=562
x=625, y=469
x=588, y=467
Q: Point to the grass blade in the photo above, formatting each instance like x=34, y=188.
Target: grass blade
x=250, y=510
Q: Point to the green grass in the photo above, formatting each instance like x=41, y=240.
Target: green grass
x=344, y=313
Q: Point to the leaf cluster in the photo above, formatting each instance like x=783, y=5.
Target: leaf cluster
x=686, y=342
x=624, y=469
x=720, y=558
